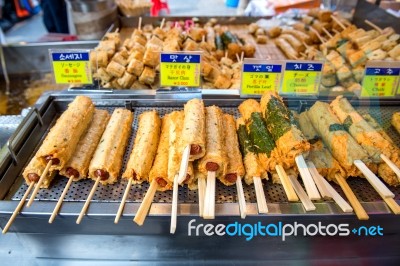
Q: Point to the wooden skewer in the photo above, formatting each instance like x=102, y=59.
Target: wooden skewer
x=392, y=166
x=392, y=205
x=242, y=57
x=358, y=208
x=145, y=206
x=308, y=181
x=290, y=193
x=162, y=23
x=318, y=35
x=202, y=193
x=18, y=208
x=241, y=199
x=336, y=197
x=338, y=22
x=260, y=195
x=174, y=211
x=209, y=203
x=327, y=32
x=335, y=31
x=140, y=23
x=123, y=200
x=184, y=165
x=87, y=202
x=373, y=180
x=237, y=58
x=318, y=181
x=307, y=203
x=373, y=25
x=60, y=200
x=39, y=183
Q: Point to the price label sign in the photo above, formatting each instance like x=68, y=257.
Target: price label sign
x=258, y=77
x=71, y=66
x=381, y=80
x=302, y=78
x=180, y=69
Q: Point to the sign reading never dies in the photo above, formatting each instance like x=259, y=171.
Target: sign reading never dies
x=180, y=69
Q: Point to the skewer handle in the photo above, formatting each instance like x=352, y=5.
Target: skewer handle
x=372, y=25
x=308, y=181
x=338, y=22
x=290, y=193
x=87, y=202
x=392, y=205
x=209, y=206
x=122, y=205
x=260, y=195
x=241, y=198
x=307, y=203
x=202, y=194
x=184, y=164
x=374, y=180
x=318, y=181
x=392, y=166
x=336, y=197
x=60, y=200
x=145, y=206
x=174, y=211
x=18, y=208
x=39, y=183
x=358, y=208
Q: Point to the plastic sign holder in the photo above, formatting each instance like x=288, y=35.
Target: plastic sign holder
x=302, y=78
x=381, y=80
x=71, y=66
x=259, y=77
x=180, y=69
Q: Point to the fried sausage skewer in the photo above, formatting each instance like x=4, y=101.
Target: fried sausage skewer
x=235, y=170
x=254, y=169
x=106, y=163
x=291, y=143
x=77, y=167
x=60, y=143
x=214, y=162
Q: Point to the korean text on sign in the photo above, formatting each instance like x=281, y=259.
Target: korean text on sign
x=380, y=82
x=72, y=67
x=301, y=78
x=259, y=78
x=180, y=70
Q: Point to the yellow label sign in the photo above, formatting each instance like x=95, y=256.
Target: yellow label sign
x=259, y=78
x=71, y=67
x=301, y=78
x=180, y=70
x=380, y=79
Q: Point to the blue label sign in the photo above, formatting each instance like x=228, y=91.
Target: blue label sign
x=180, y=58
x=81, y=56
x=262, y=68
x=382, y=71
x=304, y=66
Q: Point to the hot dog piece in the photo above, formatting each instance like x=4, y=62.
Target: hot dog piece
x=78, y=165
x=107, y=159
x=34, y=170
x=63, y=137
x=215, y=158
x=235, y=166
x=159, y=170
x=145, y=147
x=194, y=129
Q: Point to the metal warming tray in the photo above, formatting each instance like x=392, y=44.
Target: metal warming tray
x=32, y=223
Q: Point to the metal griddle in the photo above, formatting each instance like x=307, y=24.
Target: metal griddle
x=32, y=222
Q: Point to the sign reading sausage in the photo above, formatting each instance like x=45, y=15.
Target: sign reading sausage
x=380, y=80
x=258, y=77
x=302, y=77
x=71, y=66
x=180, y=69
